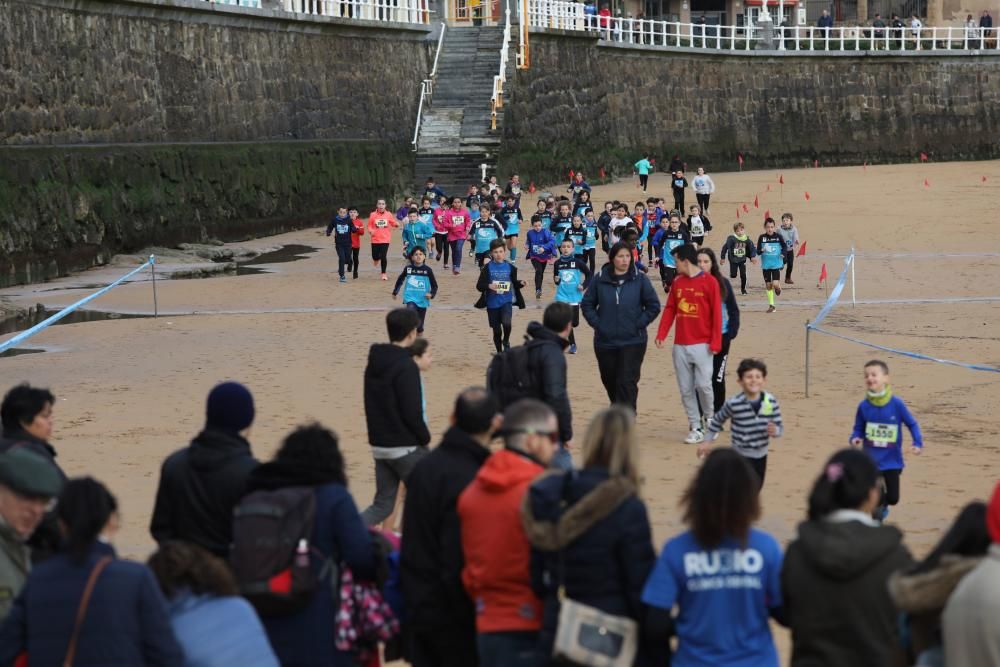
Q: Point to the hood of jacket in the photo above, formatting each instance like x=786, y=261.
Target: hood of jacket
x=385, y=358
x=506, y=469
x=555, y=532
x=843, y=551
x=538, y=331
x=212, y=449
x=921, y=592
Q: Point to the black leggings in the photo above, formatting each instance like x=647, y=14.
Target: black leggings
x=789, y=263
x=741, y=267
x=703, y=202
x=441, y=241
x=759, y=466
x=719, y=362
x=590, y=254
x=380, y=253
x=891, y=478
x=679, y=199
x=620, y=370
x=539, y=273
x=643, y=181
x=343, y=260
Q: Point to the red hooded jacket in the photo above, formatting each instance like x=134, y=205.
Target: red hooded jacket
x=497, y=572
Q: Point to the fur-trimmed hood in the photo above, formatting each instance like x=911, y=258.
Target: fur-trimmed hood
x=929, y=591
x=550, y=525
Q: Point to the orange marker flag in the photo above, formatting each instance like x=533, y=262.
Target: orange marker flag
x=984, y=179
x=767, y=214
x=756, y=202
x=768, y=187
x=822, y=275
x=746, y=209
x=927, y=183
x=531, y=187
x=807, y=196
x=802, y=250
x=923, y=156
x=781, y=179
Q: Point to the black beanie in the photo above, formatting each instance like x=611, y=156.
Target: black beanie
x=230, y=407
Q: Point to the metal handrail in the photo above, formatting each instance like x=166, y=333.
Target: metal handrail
x=496, y=100
x=427, y=88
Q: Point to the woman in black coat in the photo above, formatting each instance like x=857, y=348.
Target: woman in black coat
x=619, y=305
x=708, y=263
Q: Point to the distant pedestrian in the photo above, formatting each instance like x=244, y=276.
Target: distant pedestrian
x=704, y=187
x=643, y=167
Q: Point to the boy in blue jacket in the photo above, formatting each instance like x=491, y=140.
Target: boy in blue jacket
x=418, y=284
x=541, y=250
x=499, y=291
x=878, y=428
x=341, y=224
x=572, y=277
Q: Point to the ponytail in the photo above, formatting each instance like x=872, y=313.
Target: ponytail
x=84, y=508
x=845, y=482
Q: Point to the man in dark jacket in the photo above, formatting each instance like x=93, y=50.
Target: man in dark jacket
x=440, y=628
x=200, y=484
x=397, y=432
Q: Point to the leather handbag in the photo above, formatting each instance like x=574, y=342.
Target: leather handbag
x=81, y=610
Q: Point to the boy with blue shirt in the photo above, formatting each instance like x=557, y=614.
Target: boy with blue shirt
x=577, y=234
x=541, y=246
x=418, y=283
x=483, y=232
x=562, y=221
x=343, y=228
x=572, y=277
x=669, y=236
x=771, y=249
x=416, y=232
x=511, y=220
x=426, y=213
x=590, y=244
x=500, y=291
x=878, y=428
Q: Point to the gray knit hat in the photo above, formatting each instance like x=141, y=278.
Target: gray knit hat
x=29, y=473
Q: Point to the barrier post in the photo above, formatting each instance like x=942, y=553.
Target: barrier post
x=152, y=268
x=807, y=358
x=854, y=300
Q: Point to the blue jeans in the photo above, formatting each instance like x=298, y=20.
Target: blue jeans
x=507, y=649
x=456, y=253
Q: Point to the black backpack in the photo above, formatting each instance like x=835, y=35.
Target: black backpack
x=272, y=549
x=512, y=376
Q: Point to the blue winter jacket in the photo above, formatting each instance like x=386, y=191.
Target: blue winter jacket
x=218, y=631
x=619, y=312
x=126, y=621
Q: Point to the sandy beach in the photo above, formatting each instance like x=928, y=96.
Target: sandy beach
x=130, y=391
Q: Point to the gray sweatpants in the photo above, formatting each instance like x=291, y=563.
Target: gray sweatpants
x=693, y=366
x=388, y=474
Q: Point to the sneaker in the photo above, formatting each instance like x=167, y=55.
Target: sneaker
x=343, y=279
x=572, y=348
x=743, y=292
x=471, y=253
x=777, y=289
x=506, y=346
x=438, y=258
x=355, y=276
x=789, y=281
x=350, y=267
x=538, y=294
x=771, y=309
x=695, y=437
x=447, y=266
x=385, y=277
x=455, y=272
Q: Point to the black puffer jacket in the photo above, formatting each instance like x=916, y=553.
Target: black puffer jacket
x=548, y=358
x=199, y=486
x=393, y=408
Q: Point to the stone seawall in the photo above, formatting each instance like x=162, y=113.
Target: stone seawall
x=127, y=124
x=584, y=106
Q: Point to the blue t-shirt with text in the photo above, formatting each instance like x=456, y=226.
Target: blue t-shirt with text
x=724, y=596
x=504, y=294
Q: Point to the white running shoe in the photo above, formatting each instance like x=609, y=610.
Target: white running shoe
x=695, y=437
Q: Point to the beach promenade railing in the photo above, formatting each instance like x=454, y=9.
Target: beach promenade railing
x=570, y=16
x=393, y=11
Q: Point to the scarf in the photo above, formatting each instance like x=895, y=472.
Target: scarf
x=880, y=399
x=738, y=237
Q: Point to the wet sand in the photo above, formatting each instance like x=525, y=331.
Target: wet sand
x=131, y=391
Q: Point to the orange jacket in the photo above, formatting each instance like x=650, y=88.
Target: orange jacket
x=497, y=572
x=359, y=230
x=380, y=225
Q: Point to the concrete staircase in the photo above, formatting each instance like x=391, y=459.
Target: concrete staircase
x=455, y=136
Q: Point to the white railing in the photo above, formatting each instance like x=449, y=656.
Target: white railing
x=427, y=87
x=562, y=15
x=396, y=11
x=496, y=101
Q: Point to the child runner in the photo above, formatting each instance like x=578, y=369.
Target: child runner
x=703, y=186
x=738, y=248
x=770, y=247
x=643, y=167
x=341, y=224
x=579, y=187
x=583, y=204
x=418, y=283
x=457, y=221
x=433, y=192
x=561, y=222
x=698, y=225
x=403, y=211
x=572, y=277
x=542, y=211
x=541, y=250
x=669, y=237
x=878, y=428
x=356, y=234
x=678, y=185
x=409, y=233
x=619, y=222
x=603, y=223
x=790, y=235
x=590, y=245
x=756, y=417
x=473, y=201
x=500, y=291
x=577, y=234
x=651, y=225
x=492, y=186
x=441, y=234
x=514, y=188
x=730, y=325
x=380, y=224
x=483, y=232
x=511, y=221
x=427, y=217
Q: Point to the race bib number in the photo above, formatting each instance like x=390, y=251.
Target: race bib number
x=515, y=189
x=458, y=220
x=739, y=252
x=882, y=435
x=537, y=249
x=503, y=286
x=381, y=224
x=343, y=229
x=697, y=229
